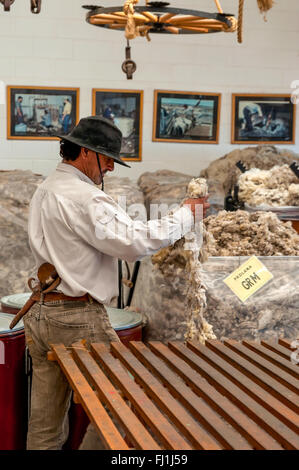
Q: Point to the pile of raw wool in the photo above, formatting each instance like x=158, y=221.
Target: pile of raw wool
x=276, y=187
x=223, y=172
x=188, y=250
x=242, y=233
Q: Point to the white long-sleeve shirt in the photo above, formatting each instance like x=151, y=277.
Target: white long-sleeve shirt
x=82, y=231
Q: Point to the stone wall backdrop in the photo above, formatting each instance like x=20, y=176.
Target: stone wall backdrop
x=16, y=262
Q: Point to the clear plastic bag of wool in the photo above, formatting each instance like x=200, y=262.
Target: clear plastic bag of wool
x=161, y=297
x=272, y=312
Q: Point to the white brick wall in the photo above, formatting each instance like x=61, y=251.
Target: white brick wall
x=58, y=48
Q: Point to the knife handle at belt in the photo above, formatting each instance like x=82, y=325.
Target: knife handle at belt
x=22, y=312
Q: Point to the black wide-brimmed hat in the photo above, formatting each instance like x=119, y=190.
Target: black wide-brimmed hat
x=99, y=135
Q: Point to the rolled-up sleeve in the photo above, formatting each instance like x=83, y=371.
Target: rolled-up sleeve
x=107, y=227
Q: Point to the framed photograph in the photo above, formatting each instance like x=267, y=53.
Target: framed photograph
x=41, y=112
x=124, y=108
x=263, y=119
x=185, y=116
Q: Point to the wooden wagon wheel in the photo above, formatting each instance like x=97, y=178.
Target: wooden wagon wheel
x=157, y=17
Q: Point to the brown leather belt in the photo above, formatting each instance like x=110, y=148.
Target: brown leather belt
x=52, y=296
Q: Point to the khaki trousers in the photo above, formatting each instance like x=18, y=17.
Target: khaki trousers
x=59, y=322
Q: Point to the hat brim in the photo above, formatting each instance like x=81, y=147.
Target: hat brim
x=100, y=150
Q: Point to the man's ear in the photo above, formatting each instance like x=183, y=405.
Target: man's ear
x=84, y=152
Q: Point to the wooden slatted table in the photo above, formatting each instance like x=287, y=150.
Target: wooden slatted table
x=230, y=395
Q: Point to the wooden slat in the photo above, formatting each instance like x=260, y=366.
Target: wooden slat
x=231, y=396
x=152, y=416
x=278, y=349
x=236, y=369
x=274, y=358
x=258, y=413
x=224, y=433
x=107, y=393
x=199, y=438
x=267, y=391
x=255, y=435
x=280, y=384
x=286, y=343
x=93, y=407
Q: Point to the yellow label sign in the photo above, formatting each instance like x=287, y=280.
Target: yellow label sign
x=248, y=278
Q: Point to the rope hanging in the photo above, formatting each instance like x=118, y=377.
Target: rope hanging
x=240, y=21
x=132, y=31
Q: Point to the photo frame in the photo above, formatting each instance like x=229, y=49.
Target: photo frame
x=40, y=113
x=262, y=119
x=185, y=116
x=125, y=109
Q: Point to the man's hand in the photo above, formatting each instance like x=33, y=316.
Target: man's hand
x=201, y=201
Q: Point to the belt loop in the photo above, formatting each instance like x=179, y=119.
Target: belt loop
x=41, y=302
x=42, y=298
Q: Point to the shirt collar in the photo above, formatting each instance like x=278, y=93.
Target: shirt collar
x=66, y=168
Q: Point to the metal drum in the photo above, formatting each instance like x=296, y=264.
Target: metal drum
x=13, y=386
x=295, y=224
x=127, y=324
x=14, y=303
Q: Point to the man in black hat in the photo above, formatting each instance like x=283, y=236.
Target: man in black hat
x=81, y=232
